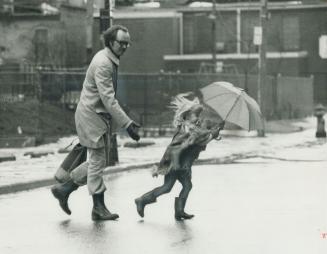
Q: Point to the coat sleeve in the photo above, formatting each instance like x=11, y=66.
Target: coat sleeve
x=104, y=83
x=201, y=138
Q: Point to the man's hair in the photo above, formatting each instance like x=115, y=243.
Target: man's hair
x=111, y=34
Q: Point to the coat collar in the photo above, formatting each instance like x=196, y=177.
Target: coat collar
x=111, y=55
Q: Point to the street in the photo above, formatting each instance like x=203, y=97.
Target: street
x=112, y=89
x=252, y=206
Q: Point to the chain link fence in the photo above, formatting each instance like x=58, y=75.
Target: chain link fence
x=42, y=102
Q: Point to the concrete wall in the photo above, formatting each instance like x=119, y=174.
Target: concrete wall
x=292, y=29
x=153, y=36
x=74, y=23
x=304, y=37
x=20, y=37
x=54, y=40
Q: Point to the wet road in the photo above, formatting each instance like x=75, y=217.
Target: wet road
x=253, y=207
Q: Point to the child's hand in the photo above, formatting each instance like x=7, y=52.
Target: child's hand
x=222, y=125
x=215, y=132
x=218, y=138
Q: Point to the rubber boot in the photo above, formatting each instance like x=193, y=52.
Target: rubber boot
x=185, y=215
x=179, y=210
x=62, y=192
x=144, y=200
x=100, y=211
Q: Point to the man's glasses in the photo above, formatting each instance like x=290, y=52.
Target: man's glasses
x=125, y=44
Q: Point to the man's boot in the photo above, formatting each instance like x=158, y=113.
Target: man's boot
x=62, y=191
x=179, y=209
x=100, y=211
x=142, y=201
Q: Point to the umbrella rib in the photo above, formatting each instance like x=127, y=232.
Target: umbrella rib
x=238, y=97
x=208, y=99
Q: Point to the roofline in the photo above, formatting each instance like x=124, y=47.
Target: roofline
x=133, y=12
x=201, y=57
x=118, y=15
x=253, y=7
x=142, y=13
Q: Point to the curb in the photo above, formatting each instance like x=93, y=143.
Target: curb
x=7, y=157
x=12, y=188
x=17, y=187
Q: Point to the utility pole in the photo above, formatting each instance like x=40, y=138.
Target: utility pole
x=106, y=17
x=213, y=17
x=108, y=6
x=262, y=68
x=106, y=21
x=89, y=30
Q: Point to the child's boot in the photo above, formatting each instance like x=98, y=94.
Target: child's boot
x=179, y=210
x=142, y=201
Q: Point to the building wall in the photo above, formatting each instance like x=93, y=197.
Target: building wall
x=313, y=25
x=197, y=30
x=287, y=31
x=152, y=38
x=292, y=30
x=149, y=45
x=74, y=23
x=32, y=39
x=53, y=40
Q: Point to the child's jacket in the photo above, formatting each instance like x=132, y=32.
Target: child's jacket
x=183, y=150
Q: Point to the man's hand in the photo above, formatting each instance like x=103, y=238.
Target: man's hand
x=132, y=131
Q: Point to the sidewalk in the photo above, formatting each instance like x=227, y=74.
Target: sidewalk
x=28, y=173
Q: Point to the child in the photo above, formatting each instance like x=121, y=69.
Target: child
x=192, y=136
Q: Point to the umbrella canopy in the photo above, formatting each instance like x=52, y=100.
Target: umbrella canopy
x=233, y=105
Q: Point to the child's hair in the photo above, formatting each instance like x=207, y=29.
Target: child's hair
x=195, y=110
x=183, y=107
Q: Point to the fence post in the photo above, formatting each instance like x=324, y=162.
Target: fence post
x=113, y=150
x=38, y=85
x=275, y=95
x=145, y=101
x=63, y=81
x=279, y=98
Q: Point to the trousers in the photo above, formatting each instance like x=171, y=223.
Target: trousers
x=91, y=171
x=183, y=176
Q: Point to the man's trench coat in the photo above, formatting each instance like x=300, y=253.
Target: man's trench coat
x=99, y=96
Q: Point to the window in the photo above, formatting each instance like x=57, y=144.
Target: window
x=291, y=33
x=189, y=35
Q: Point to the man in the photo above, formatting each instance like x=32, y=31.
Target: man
x=95, y=111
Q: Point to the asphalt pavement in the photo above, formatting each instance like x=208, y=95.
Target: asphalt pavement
x=250, y=195
x=252, y=206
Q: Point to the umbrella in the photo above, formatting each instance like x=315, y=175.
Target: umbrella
x=233, y=105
